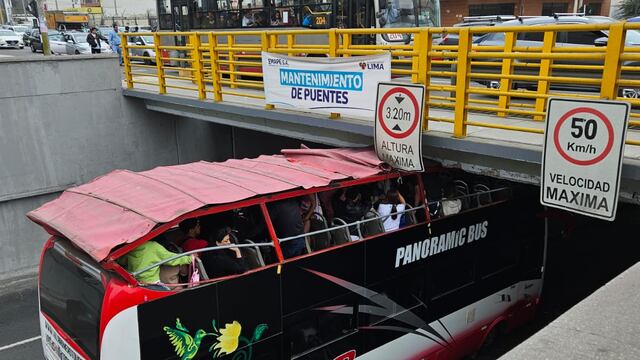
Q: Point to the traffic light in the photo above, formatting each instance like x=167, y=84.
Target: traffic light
x=32, y=7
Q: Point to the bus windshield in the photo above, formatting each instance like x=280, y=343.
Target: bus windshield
x=408, y=13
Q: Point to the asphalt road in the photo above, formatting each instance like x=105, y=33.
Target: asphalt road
x=19, y=325
x=26, y=52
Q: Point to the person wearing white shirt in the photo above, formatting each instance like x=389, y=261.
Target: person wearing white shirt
x=389, y=208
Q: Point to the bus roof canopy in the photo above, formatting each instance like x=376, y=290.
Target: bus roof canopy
x=122, y=206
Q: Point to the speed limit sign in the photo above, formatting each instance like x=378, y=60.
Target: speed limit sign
x=582, y=159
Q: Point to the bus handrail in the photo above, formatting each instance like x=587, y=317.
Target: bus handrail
x=206, y=249
x=302, y=236
x=355, y=223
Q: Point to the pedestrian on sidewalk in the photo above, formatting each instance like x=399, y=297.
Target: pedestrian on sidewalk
x=114, y=42
x=94, y=41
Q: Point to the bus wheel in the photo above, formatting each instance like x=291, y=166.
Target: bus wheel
x=492, y=338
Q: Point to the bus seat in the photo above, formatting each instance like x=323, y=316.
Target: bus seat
x=203, y=272
x=372, y=227
x=409, y=216
x=252, y=255
x=340, y=236
x=483, y=196
x=318, y=241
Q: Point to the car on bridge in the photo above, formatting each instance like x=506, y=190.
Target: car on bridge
x=452, y=39
x=534, y=39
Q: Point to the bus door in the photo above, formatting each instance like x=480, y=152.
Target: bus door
x=181, y=15
x=239, y=316
x=359, y=14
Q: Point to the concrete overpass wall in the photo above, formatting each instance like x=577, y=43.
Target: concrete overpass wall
x=63, y=122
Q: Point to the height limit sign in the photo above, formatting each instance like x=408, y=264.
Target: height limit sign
x=582, y=160
x=398, y=134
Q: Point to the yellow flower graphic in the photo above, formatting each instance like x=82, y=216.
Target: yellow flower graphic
x=228, y=339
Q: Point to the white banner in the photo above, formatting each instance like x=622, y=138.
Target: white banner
x=327, y=85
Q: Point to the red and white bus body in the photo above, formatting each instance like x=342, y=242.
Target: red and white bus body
x=434, y=289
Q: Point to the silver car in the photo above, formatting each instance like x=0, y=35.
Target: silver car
x=74, y=43
x=145, y=40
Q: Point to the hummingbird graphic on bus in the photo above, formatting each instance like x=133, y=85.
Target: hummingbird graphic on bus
x=227, y=340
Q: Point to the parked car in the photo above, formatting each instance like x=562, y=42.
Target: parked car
x=9, y=39
x=145, y=40
x=36, y=39
x=20, y=30
x=452, y=39
x=104, y=32
x=563, y=39
x=73, y=43
x=30, y=36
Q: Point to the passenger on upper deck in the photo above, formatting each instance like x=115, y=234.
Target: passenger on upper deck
x=191, y=229
x=286, y=217
x=350, y=207
x=223, y=262
x=451, y=203
x=393, y=203
x=151, y=253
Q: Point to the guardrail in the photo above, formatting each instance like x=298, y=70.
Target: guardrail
x=504, y=80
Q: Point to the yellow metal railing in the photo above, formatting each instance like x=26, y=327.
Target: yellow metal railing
x=502, y=80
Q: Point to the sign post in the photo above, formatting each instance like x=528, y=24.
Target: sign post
x=398, y=134
x=582, y=159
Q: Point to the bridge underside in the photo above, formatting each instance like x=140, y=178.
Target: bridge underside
x=483, y=151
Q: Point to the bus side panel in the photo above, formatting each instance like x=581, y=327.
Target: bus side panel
x=234, y=316
x=466, y=258
x=320, y=303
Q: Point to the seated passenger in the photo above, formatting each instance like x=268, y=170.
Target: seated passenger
x=286, y=217
x=350, y=207
x=450, y=205
x=223, y=262
x=170, y=275
x=393, y=203
x=151, y=253
x=191, y=229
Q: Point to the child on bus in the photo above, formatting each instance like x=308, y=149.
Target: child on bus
x=148, y=254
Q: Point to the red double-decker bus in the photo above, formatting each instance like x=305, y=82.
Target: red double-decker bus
x=312, y=254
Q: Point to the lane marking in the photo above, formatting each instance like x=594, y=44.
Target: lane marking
x=25, y=341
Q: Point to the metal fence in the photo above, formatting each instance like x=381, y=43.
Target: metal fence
x=502, y=80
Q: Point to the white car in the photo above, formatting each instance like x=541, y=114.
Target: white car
x=18, y=29
x=145, y=40
x=9, y=39
x=74, y=43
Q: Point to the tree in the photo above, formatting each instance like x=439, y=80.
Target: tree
x=628, y=9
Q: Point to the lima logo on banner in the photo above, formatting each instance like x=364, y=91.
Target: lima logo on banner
x=340, y=85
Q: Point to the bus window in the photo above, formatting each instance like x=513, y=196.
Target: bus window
x=74, y=304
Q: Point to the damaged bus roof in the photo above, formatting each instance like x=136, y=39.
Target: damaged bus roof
x=122, y=206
